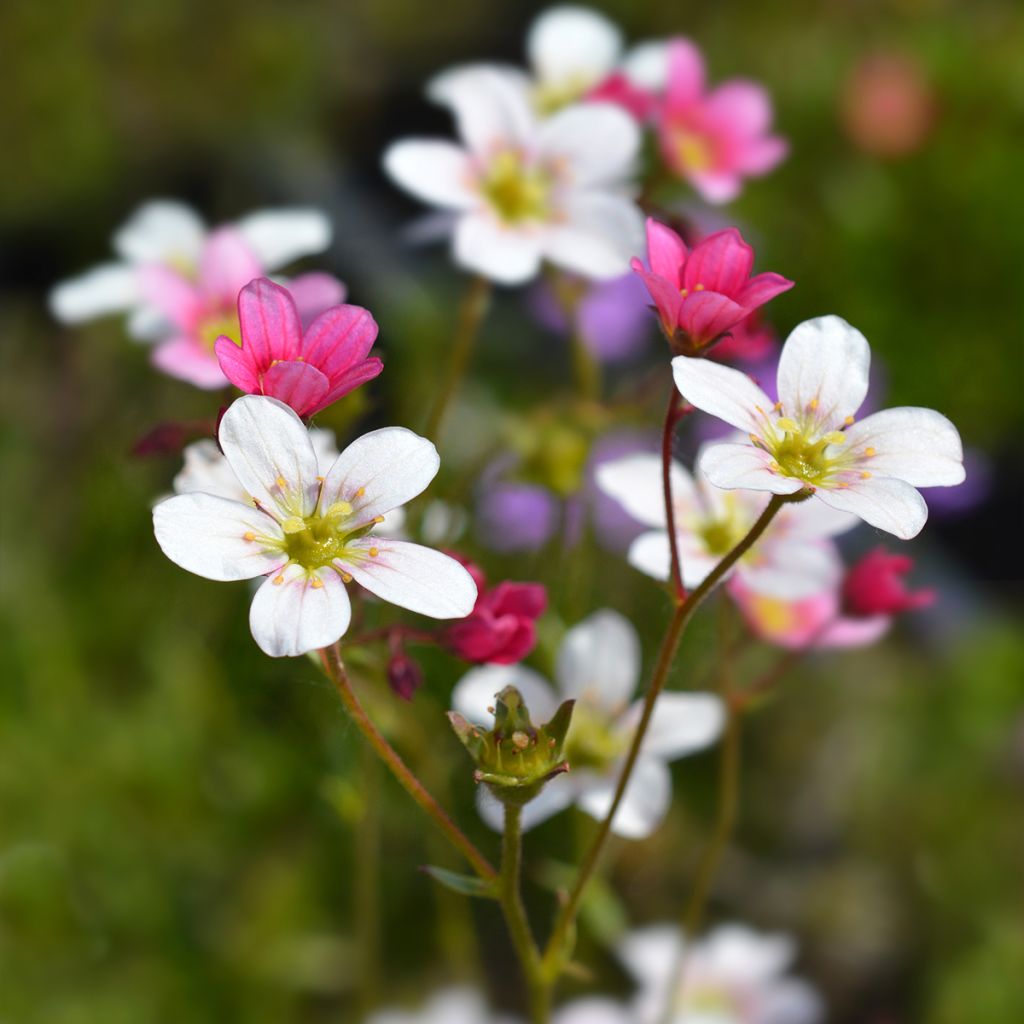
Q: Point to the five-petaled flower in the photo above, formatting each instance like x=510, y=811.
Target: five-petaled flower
x=522, y=189
x=599, y=666
x=703, y=292
x=809, y=441
x=307, y=369
x=308, y=528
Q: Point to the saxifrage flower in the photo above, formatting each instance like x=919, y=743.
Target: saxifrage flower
x=307, y=369
x=308, y=528
x=810, y=441
x=599, y=667
x=703, y=292
x=523, y=190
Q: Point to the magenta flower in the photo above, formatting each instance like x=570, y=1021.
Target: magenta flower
x=307, y=370
x=714, y=139
x=704, y=292
x=200, y=309
x=875, y=586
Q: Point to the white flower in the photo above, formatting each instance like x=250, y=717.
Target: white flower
x=523, y=190
x=450, y=1006
x=809, y=438
x=792, y=559
x=170, y=234
x=599, y=666
x=733, y=976
x=594, y=1010
x=310, y=532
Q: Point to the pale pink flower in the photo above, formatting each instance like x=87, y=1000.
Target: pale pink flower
x=307, y=369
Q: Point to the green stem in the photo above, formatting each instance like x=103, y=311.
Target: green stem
x=555, y=951
x=366, y=882
x=471, y=316
x=586, y=370
x=667, y=435
x=335, y=670
x=515, y=914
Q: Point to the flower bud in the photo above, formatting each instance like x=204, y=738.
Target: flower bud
x=405, y=676
x=501, y=629
x=515, y=758
x=875, y=586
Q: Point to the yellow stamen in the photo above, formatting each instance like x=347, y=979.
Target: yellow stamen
x=249, y=535
x=346, y=577
x=281, y=482
x=378, y=519
x=812, y=404
x=340, y=508
x=788, y=425
x=316, y=583
x=294, y=524
x=869, y=452
x=360, y=492
x=865, y=475
x=277, y=581
x=777, y=407
x=849, y=421
x=835, y=437
x=374, y=552
x=698, y=287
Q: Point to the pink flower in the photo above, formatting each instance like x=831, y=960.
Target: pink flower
x=703, y=292
x=875, y=586
x=618, y=88
x=501, y=629
x=307, y=370
x=714, y=139
x=200, y=309
x=751, y=341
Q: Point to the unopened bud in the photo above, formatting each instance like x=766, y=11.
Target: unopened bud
x=405, y=676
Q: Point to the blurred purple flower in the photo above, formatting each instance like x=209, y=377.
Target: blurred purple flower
x=516, y=516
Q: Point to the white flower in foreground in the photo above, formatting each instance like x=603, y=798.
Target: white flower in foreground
x=733, y=976
x=450, y=1006
x=524, y=190
x=599, y=666
x=792, y=559
x=809, y=438
x=311, y=532
x=170, y=234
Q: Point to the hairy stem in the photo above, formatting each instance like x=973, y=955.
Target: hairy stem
x=672, y=415
x=335, y=670
x=555, y=950
x=471, y=315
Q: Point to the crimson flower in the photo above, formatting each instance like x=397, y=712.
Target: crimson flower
x=875, y=586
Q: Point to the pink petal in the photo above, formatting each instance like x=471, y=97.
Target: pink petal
x=226, y=266
x=315, y=292
x=740, y=109
x=350, y=380
x=759, y=156
x=720, y=186
x=270, y=323
x=666, y=252
x=339, y=338
x=761, y=289
x=237, y=365
x=721, y=263
x=299, y=385
x=186, y=359
x=706, y=315
x=685, y=75
x=665, y=295
x=173, y=295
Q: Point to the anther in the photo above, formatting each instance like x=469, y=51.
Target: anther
x=698, y=287
x=281, y=482
x=374, y=552
x=340, y=508
x=788, y=425
x=249, y=535
x=777, y=407
x=378, y=519
x=346, y=577
x=360, y=492
x=865, y=475
x=316, y=583
x=849, y=421
x=277, y=581
x=835, y=437
x=812, y=404
x=869, y=452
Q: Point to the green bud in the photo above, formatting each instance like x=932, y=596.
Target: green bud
x=515, y=758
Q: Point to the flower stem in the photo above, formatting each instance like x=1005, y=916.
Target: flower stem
x=555, y=950
x=672, y=417
x=471, y=315
x=366, y=882
x=515, y=914
x=335, y=670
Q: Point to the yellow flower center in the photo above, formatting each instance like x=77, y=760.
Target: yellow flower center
x=517, y=192
x=592, y=741
x=318, y=540
x=692, y=150
x=217, y=323
x=804, y=449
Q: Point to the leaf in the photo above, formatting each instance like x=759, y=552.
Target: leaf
x=466, y=885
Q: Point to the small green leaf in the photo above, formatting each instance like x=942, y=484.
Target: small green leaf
x=466, y=885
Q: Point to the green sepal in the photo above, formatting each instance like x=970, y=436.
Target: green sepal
x=465, y=885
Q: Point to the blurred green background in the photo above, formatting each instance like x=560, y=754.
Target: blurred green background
x=188, y=830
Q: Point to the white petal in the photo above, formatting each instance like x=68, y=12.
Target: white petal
x=474, y=693
x=325, y=444
x=148, y=324
x=555, y=797
x=919, y=446
x=651, y=554
x=891, y=505
x=644, y=804
x=601, y=232
x=162, y=231
x=413, y=577
x=435, y=171
x=746, y=955
x=635, y=483
x=599, y=661
x=206, y=534
x=651, y=954
x=646, y=65
x=269, y=451
x=721, y=391
x=791, y=1001
x=290, y=616
x=791, y=568
x=108, y=288
x=506, y=255
x=207, y=471
x=596, y=143
x=823, y=370
x=744, y=466
x=491, y=106
x=379, y=472
x=573, y=47
x=682, y=723
x=594, y=1011
x=814, y=519
x=278, y=237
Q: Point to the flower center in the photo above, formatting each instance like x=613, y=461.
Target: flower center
x=692, y=150
x=592, y=741
x=517, y=192
x=216, y=323
x=804, y=449
x=317, y=540
x=720, y=536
